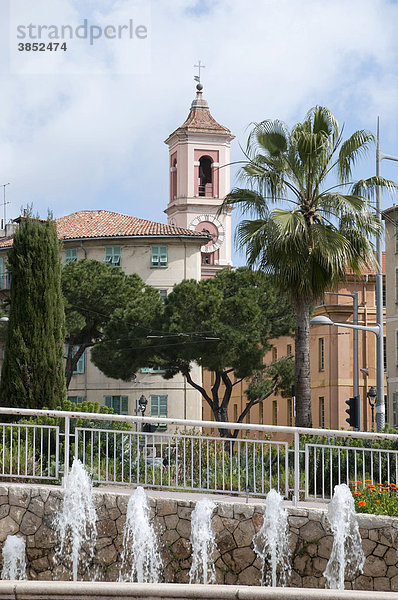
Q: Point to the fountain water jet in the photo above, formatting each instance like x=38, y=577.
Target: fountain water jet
x=77, y=523
x=271, y=543
x=203, y=543
x=14, y=558
x=140, y=545
x=346, y=557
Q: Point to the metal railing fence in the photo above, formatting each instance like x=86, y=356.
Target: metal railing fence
x=117, y=449
x=29, y=451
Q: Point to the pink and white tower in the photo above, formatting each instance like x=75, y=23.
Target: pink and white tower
x=199, y=153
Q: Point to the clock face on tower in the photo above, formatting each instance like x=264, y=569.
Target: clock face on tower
x=210, y=225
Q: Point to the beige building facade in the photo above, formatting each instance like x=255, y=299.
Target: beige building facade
x=390, y=216
x=162, y=256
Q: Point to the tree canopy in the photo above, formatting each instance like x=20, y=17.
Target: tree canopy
x=223, y=324
x=323, y=226
x=33, y=372
x=94, y=294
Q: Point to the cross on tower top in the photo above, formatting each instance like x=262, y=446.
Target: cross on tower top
x=198, y=66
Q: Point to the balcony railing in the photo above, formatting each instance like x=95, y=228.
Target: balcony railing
x=117, y=449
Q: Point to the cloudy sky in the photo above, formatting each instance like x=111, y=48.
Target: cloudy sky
x=84, y=128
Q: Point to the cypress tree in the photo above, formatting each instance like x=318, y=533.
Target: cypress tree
x=33, y=371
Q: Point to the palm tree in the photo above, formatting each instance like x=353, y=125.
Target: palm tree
x=323, y=225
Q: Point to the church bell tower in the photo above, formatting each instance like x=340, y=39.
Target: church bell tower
x=199, y=159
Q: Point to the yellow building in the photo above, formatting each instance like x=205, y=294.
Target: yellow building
x=331, y=356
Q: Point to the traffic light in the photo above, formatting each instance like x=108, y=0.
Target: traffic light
x=353, y=412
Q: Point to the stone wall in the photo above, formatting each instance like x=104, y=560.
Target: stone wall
x=29, y=510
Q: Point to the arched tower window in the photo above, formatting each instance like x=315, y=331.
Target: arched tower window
x=205, y=176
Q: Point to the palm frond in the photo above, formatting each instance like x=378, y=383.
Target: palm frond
x=366, y=188
x=352, y=149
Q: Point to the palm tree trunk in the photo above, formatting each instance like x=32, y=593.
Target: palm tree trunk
x=302, y=365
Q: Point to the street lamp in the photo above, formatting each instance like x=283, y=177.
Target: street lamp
x=322, y=320
x=142, y=404
x=377, y=330
x=372, y=395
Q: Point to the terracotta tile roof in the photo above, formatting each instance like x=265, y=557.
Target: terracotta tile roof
x=88, y=224
x=200, y=118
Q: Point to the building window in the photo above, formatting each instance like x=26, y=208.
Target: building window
x=395, y=409
x=205, y=176
x=159, y=406
x=396, y=347
x=70, y=255
x=159, y=256
x=76, y=399
x=289, y=350
x=290, y=412
x=396, y=284
x=235, y=413
x=207, y=259
x=152, y=370
x=120, y=404
x=321, y=354
x=81, y=363
x=163, y=294
x=274, y=412
x=274, y=354
x=261, y=413
x=384, y=295
x=321, y=412
x=113, y=255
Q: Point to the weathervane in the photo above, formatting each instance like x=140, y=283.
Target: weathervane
x=198, y=66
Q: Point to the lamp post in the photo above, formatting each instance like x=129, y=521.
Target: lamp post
x=372, y=394
x=380, y=407
x=377, y=330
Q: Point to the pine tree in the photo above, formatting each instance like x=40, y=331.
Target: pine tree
x=33, y=372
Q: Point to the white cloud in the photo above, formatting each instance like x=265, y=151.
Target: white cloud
x=71, y=141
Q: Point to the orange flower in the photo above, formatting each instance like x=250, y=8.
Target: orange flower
x=380, y=484
x=393, y=486
x=377, y=501
x=357, y=494
x=362, y=503
x=358, y=482
x=368, y=481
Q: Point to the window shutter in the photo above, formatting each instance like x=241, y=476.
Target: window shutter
x=162, y=406
x=108, y=401
x=124, y=405
x=154, y=406
x=70, y=255
x=155, y=255
x=163, y=255
x=395, y=409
